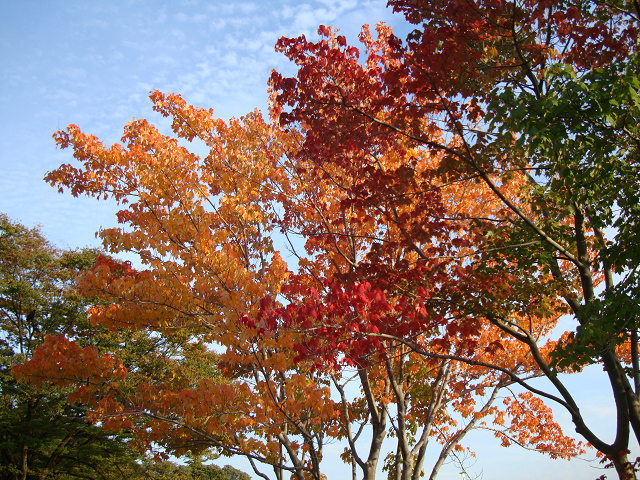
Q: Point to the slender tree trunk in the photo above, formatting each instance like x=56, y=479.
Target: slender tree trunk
x=25, y=464
x=378, y=425
x=417, y=469
x=408, y=466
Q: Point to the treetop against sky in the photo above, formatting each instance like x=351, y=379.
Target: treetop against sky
x=427, y=238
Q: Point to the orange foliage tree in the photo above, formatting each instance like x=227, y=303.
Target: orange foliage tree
x=444, y=200
x=287, y=346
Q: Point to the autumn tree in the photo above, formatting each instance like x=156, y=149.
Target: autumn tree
x=204, y=228
x=359, y=287
x=201, y=231
x=452, y=192
x=540, y=93
x=41, y=435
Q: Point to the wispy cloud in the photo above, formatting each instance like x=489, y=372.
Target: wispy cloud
x=93, y=64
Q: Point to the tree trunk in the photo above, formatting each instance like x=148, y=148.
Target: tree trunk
x=625, y=470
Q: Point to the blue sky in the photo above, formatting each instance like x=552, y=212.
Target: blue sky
x=94, y=63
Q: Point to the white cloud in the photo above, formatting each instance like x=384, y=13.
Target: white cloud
x=230, y=59
x=204, y=68
x=339, y=5
x=247, y=8
x=218, y=24
x=146, y=87
x=199, y=18
x=253, y=44
x=163, y=59
x=72, y=76
x=178, y=34
x=162, y=16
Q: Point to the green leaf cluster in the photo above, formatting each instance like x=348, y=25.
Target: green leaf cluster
x=579, y=136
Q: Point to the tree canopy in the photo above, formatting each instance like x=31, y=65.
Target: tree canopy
x=455, y=193
x=42, y=436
